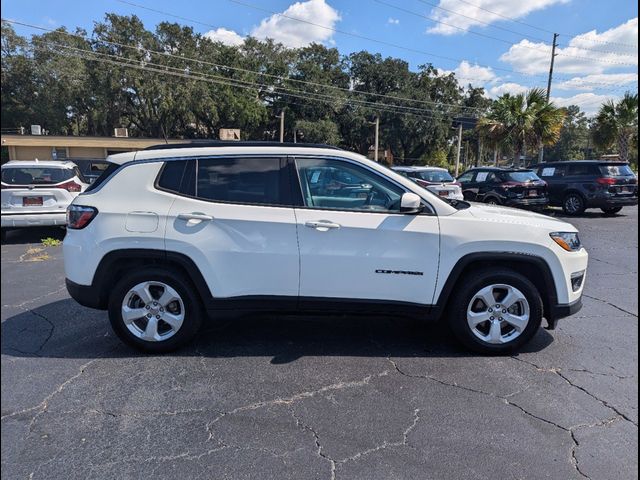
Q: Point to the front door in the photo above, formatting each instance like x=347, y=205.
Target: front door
x=233, y=217
x=355, y=243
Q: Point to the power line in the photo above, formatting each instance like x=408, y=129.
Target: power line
x=228, y=67
x=498, y=27
x=473, y=32
x=355, y=35
x=542, y=29
x=269, y=89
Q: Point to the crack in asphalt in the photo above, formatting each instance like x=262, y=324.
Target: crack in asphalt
x=611, y=305
x=33, y=300
x=558, y=372
x=570, y=431
x=295, y=397
x=49, y=335
x=316, y=439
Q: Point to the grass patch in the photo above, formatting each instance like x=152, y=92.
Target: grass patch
x=51, y=242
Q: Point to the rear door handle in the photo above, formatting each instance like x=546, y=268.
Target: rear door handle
x=322, y=225
x=194, y=216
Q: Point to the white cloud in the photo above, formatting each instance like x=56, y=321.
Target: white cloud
x=293, y=33
x=508, y=87
x=466, y=74
x=393, y=21
x=533, y=58
x=228, y=37
x=588, y=102
x=477, y=16
x=594, y=82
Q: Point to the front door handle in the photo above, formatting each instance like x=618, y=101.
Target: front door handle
x=322, y=225
x=194, y=216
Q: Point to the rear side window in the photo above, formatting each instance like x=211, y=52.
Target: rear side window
x=172, y=175
x=106, y=173
x=583, y=169
x=37, y=175
x=240, y=180
x=616, y=170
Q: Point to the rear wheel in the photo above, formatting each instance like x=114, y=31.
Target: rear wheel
x=492, y=201
x=611, y=210
x=155, y=310
x=495, y=312
x=573, y=204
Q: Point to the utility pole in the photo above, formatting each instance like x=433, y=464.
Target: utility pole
x=459, y=146
x=375, y=143
x=282, y=126
x=553, y=57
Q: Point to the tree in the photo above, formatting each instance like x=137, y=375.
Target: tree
x=573, y=143
x=522, y=121
x=617, y=124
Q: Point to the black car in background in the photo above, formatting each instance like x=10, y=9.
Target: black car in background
x=91, y=168
x=580, y=184
x=504, y=186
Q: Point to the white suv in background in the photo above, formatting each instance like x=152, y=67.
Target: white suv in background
x=37, y=193
x=171, y=235
x=436, y=179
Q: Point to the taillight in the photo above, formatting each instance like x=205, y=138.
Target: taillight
x=606, y=181
x=70, y=186
x=422, y=183
x=457, y=184
x=79, y=216
x=511, y=184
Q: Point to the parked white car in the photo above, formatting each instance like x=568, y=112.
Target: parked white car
x=436, y=179
x=37, y=193
x=169, y=235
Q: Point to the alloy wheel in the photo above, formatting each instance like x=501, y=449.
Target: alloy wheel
x=153, y=311
x=498, y=313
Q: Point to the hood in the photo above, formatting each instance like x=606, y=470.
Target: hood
x=493, y=213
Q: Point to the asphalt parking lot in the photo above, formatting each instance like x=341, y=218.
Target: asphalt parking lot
x=266, y=397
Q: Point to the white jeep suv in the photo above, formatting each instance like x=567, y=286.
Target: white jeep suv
x=171, y=235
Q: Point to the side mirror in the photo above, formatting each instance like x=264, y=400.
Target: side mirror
x=410, y=203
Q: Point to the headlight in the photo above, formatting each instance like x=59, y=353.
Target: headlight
x=567, y=240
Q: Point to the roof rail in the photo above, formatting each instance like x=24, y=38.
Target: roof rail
x=221, y=143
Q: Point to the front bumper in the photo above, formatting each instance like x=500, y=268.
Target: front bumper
x=44, y=219
x=558, y=311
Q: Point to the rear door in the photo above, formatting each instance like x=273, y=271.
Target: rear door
x=355, y=244
x=233, y=217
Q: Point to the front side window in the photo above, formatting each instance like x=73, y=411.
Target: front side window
x=335, y=184
x=239, y=180
x=466, y=177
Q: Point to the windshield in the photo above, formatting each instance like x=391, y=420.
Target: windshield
x=616, y=170
x=523, y=177
x=37, y=175
x=435, y=176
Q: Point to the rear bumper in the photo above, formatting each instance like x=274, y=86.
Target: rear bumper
x=44, y=219
x=85, y=295
x=559, y=311
x=527, y=202
x=604, y=202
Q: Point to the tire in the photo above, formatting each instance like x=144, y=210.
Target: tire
x=176, y=321
x=573, y=204
x=467, y=303
x=492, y=201
x=611, y=210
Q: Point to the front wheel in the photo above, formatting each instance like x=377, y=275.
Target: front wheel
x=155, y=310
x=496, y=312
x=611, y=210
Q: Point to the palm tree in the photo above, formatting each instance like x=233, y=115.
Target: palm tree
x=521, y=121
x=616, y=124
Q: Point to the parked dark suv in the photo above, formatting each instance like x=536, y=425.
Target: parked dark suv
x=580, y=184
x=504, y=186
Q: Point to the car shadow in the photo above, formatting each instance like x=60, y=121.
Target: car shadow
x=64, y=329
x=586, y=214
x=22, y=236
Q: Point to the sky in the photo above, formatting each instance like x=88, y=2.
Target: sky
x=501, y=45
